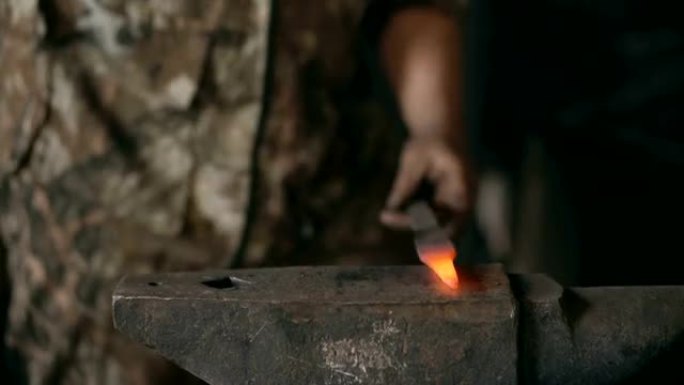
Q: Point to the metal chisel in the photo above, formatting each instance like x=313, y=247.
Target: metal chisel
x=433, y=245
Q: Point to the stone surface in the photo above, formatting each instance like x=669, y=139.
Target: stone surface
x=104, y=167
x=328, y=325
x=23, y=81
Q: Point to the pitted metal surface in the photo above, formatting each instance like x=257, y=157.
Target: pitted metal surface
x=400, y=325
x=328, y=325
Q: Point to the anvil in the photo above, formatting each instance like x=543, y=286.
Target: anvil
x=397, y=325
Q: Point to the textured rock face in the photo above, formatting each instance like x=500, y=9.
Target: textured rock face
x=23, y=81
x=109, y=151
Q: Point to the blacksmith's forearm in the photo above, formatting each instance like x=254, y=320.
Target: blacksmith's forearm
x=421, y=53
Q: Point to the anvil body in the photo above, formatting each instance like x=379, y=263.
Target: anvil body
x=399, y=325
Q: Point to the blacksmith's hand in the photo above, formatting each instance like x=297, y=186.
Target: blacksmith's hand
x=433, y=161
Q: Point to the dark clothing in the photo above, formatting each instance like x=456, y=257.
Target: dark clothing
x=602, y=85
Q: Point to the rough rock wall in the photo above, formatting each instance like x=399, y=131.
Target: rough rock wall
x=125, y=135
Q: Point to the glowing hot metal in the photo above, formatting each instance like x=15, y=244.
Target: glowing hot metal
x=441, y=261
x=432, y=243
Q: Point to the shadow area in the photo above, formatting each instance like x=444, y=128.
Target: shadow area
x=664, y=369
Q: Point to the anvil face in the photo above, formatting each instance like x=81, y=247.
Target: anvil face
x=326, y=325
x=399, y=325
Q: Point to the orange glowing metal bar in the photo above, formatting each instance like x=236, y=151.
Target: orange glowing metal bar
x=432, y=243
x=441, y=261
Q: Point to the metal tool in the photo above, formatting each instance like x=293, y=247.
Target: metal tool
x=433, y=245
